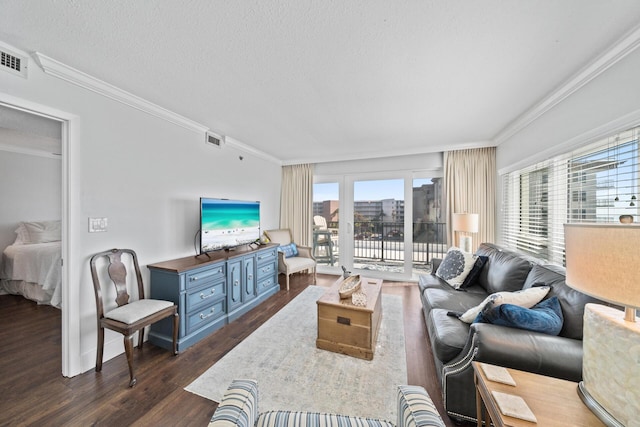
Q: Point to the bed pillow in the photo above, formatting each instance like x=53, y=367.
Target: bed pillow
x=545, y=317
x=455, y=267
x=22, y=236
x=526, y=298
x=39, y=232
x=289, y=250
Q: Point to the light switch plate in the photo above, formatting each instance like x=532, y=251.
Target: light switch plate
x=98, y=225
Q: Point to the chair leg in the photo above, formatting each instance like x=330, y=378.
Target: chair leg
x=128, y=349
x=176, y=325
x=140, y=338
x=287, y=281
x=100, y=349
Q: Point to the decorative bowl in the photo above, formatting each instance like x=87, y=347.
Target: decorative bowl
x=348, y=286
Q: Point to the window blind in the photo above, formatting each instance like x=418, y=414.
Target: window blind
x=595, y=183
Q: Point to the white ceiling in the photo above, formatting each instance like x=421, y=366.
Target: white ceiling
x=320, y=80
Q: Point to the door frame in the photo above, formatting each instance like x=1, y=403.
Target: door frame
x=70, y=329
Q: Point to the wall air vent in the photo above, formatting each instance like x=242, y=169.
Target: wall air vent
x=13, y=63
x=214, y=139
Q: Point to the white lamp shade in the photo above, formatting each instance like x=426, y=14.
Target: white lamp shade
x=467, y=222
x=603, y=260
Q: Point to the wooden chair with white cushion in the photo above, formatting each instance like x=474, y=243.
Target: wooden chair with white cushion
x=128, y=317
x=288, y=265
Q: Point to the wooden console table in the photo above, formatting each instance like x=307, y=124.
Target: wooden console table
x=553, y=401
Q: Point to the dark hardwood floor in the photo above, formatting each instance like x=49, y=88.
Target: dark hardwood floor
x=35, y=393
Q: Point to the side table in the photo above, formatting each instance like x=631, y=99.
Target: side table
x=553, y=401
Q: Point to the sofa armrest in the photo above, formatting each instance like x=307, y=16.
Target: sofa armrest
x=305, y=252
x=435, y=263
x=415, y=408
x=239, y=406
x=536, y=352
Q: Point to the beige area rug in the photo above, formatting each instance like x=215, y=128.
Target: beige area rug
x=293, y=374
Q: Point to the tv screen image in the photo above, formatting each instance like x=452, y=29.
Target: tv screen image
x=227, y=223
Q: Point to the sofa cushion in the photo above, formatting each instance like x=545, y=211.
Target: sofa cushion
x=571, y=301
x=452, y=300
x=524, y=298
x=544, y=317
x=455, y=267
x=448, y=334
x=503, y=271
x=415, y=408
x=302, y=418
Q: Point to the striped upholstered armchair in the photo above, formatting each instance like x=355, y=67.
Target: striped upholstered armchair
x=239, y=407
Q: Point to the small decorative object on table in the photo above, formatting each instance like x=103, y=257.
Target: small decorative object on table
x=626, y=219
x=345, y=273
x=359, y=299
x=348, y=286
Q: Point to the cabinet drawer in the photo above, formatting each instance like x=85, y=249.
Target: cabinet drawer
x=205, y=294
x=267, y=256
x=266, y=270
x=206, y=315
x=205, y=275
x=267, y=284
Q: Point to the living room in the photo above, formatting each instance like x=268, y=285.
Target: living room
x=133, y=156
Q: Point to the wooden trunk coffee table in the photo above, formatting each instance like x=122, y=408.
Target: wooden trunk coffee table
x=346, y=328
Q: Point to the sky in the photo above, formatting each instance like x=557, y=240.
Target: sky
x=366, y=190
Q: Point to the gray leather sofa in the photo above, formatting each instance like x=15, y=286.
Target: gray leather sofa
x=456, y=344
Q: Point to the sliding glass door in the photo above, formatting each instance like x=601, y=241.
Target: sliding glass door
x=379, y=225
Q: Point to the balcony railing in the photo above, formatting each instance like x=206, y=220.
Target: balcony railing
x=383, y=242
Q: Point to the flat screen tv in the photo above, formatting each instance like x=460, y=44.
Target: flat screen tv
x=225, y=224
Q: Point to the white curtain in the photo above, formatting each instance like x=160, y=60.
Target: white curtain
x=470, y=186
x=296, y=202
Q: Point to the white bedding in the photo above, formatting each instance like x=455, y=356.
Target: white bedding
x=33, y=270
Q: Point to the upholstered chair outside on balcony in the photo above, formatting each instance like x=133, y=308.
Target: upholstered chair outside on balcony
x=292, y=258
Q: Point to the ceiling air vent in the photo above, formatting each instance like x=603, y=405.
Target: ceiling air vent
x=13, y=63
x=214, y=139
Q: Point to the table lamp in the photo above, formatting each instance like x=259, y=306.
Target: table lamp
x=465, y=223
x=603, y=261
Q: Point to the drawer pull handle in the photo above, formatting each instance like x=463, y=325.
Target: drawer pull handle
x=203, y=296
x=251, y=277
x=235, y=283
x=204, y=316
x=194, y=278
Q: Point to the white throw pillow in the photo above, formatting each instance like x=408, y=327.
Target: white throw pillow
x=526, y=298
x=455, y=267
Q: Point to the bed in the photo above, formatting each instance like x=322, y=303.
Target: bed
x=31, y=267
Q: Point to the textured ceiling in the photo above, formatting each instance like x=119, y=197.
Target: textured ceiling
x=318, y=80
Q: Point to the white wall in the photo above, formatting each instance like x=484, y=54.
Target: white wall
x=146, y=176
x=31, y=190
x=607, y=104
x=599, y=105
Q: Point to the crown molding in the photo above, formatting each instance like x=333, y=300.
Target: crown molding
x=232, y=142
x=621, y=49
x=603, y=131
x=62, y=71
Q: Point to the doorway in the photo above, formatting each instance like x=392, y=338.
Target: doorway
x=21, y=117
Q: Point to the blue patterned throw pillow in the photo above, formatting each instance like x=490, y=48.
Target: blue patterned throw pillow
x=288, y=250
x=545, y=317
x=455, y=267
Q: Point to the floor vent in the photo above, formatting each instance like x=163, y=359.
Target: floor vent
x=13, y=63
